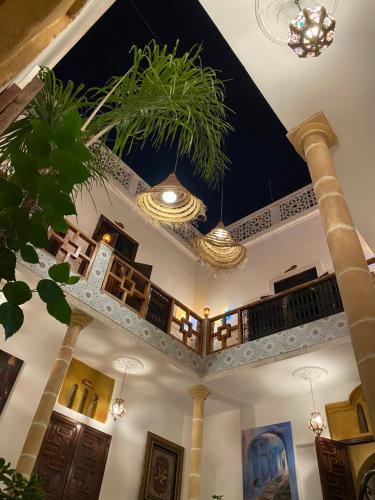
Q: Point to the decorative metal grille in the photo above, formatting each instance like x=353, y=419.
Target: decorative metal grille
x=251, y=226
x=298, y=203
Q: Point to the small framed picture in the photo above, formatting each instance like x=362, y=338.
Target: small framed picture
x=10, y=367
x=162, y=469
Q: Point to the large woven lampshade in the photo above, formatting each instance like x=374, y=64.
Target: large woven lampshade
x=219, y=249
x=169, y=202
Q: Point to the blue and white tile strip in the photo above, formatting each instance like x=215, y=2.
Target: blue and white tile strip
x=282, y=344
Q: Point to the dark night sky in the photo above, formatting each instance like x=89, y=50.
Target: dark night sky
x=259, y=152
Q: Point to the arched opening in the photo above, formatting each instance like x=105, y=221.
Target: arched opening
x=368, y=464
x=362, y=420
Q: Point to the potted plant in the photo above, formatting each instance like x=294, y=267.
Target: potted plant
x=15, y=486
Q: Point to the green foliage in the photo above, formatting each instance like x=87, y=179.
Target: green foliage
x=35, y=193
x=15, y=486
x=217, y=497
x=167, y=98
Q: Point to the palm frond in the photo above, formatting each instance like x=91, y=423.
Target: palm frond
x=166, y=98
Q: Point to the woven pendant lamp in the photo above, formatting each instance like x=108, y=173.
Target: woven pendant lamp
x=169, y=202
x=218, y=248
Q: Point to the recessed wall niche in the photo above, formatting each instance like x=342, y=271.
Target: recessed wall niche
x=87, y=391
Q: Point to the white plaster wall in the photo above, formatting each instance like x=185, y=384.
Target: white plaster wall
x=221, y=460
x=151, y=407
x=302, y=244
x=173, y=270
x=296, y=410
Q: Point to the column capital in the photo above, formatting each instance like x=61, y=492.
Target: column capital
x=316, y=124
x=199, y=391
x=79, y=318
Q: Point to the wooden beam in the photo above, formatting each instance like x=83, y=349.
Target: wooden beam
x=15, y=108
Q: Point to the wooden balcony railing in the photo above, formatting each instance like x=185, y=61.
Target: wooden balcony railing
x=297, y=306
x=174, y=318
x=130, y=287
x=73, y=247
x=126, y=285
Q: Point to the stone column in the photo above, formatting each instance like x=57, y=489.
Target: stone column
x=312, y=139
x=199, y=393
x=47, y=402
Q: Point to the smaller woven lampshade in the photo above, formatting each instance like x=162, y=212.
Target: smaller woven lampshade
x=219, y=249
x=169, y=202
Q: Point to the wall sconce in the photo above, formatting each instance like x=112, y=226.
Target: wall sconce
x=206, y=311
x=107, y=238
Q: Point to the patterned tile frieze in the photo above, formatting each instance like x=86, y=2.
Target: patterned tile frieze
x=289, y=342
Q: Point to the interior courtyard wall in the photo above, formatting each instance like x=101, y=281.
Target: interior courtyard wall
x=150, y=406
x=173, y=270
x=222, y=455
x=302, y=244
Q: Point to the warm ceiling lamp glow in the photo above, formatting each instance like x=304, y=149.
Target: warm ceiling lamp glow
x=170, y=203
x=311, y=31
x=169, y=196
x=317, y=424
x=118, y=408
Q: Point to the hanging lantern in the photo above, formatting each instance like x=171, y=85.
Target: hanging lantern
x=169, y=202
x=311, y=31
x=124, y=364
x=317, y=424
x=219, y=249
x=118, y=408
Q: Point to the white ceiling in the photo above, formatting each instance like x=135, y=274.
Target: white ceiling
x=341, y=83
x=274, y=381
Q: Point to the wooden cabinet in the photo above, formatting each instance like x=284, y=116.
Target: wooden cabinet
x=72, y=460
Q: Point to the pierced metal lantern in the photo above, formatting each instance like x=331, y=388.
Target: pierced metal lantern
x=317, y=424
x=311, y=32
x=219, y=249
x=169, y=202
x=118, y=408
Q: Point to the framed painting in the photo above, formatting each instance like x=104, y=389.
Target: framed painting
x=162, y=469
x=10, y=367
x=268, y=463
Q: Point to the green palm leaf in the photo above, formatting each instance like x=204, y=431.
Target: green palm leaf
x=166, y=98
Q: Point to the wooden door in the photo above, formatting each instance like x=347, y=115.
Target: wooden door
x=72, y=460
x=334, y=469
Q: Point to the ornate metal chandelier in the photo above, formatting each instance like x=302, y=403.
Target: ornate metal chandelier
x=170, y=203
x=311, y=26
x=124, y=364
x=311, y=31
x=317, y=424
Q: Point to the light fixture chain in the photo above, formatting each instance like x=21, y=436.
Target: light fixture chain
x=123, y=382
x=312, y=394
x=222, y=199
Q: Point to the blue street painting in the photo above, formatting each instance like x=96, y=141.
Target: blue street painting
x=269, y=470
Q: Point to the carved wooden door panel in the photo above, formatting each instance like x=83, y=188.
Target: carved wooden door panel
x=56, y=455
x=334, y=469
x=87, y=468
x=72, y=460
